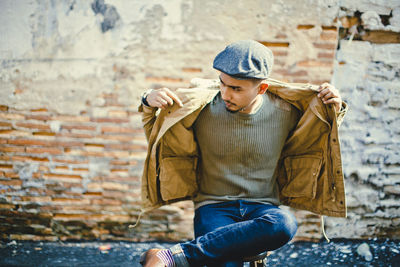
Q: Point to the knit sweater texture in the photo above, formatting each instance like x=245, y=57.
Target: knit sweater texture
x=239, y=152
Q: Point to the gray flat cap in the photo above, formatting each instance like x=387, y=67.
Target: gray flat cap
x=245, y=59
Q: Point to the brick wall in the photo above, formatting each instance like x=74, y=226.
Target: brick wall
x=71, y=143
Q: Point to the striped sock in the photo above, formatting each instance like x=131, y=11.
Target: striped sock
x=166, y=257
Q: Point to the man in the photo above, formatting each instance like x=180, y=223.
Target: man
x=239, y=152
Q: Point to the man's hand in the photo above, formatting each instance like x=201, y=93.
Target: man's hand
x=330, y=95
x=162, y=98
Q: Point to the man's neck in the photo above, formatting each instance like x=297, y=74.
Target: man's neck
x=253, y=106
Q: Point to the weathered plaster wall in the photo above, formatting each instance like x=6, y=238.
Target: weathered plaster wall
x=72, y=71
x=368, y=74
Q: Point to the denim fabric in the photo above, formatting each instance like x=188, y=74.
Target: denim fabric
x=229, y=231
x=179, y=256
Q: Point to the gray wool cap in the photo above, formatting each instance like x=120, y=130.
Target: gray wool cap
x=245, y=59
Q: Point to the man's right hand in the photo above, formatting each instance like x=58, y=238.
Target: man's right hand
x=162, y=98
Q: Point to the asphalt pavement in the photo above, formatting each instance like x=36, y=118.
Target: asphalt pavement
x=344, y=252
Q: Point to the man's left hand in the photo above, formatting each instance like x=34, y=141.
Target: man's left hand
x=330, y=95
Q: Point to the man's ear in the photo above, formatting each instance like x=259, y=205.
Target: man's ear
x=263, y=88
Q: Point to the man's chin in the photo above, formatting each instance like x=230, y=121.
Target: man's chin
x=232, y=110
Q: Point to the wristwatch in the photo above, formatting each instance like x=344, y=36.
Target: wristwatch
x=144, y=97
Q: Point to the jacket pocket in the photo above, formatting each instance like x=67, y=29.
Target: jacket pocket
x=178, y=177
x=302, y=173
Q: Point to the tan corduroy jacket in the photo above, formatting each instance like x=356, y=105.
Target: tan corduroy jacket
x=309, y=173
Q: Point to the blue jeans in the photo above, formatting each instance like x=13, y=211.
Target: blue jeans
x=227, y=232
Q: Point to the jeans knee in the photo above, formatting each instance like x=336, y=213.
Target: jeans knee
x=288, y=225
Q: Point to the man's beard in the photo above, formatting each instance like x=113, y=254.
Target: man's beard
x=232, y=111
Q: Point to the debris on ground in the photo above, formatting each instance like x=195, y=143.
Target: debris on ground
x=341, y=252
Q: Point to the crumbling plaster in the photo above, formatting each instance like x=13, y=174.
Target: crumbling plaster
x=60, y=48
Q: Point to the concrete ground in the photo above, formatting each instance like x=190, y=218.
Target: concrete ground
x=336, y=253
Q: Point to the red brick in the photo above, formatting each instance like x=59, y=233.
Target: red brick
x=280, y=53
x=36, y=198
x=330, y=46
x=111, y=120
x=13, y=182
x=314, y=63
x=114, y=186
x=79, y=152
x=329, y=28
x=5, y=124
x=74, y=135
x=67, y=143
x=28, y=158
x=12, y=116
x=123, y=162
x=94, y=145
x=329, y=55
x=6, y=166
x=48, y=150
x=28, y=142
x=36, y=175
x=106, y=201
x=116, y=154
x=11, y=175
x=33, y=126
x=122, y=138
x=14, y=132
x=381, y=37
x=57, y=176
x=12, y=149
x=124, y=147
x=39, y=110
x=280, y=35
x=191, y=70
x=79, y=217
x=63, y=160
x=118, y=113
x=79, y=127
x=115, y=194
x=72, y=118
x=305, y=27
x=329, y=36
x=64, y=200
x=93, y=194
x=38, y=117
x=275, y=44
x=109, y=95
x=62, y=168
x=116, y=129
x=119, y=170
x=81, y=169
x=43, y=134
x=5, y=158
x=7, y=206
x=43, y=168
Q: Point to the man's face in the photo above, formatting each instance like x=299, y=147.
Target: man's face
x=238, y=95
